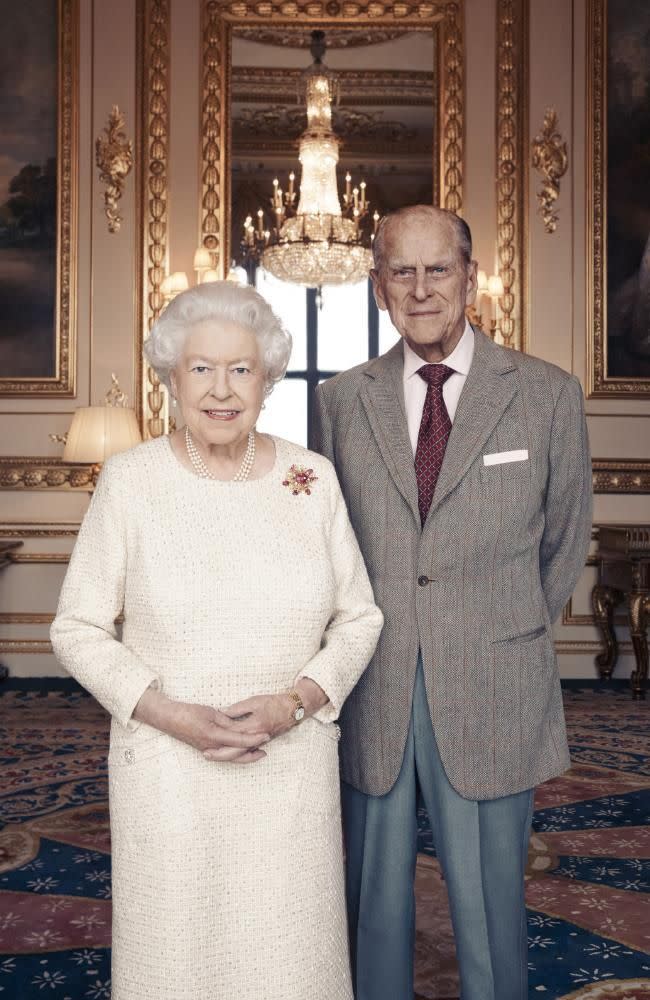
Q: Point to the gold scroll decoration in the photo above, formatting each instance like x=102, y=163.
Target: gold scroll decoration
x=512, y=97
x=114, y=156
x=153, y=141
x=550, y=159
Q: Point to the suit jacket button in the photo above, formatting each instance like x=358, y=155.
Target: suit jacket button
x=423, y=580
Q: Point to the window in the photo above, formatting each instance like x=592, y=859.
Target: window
x=346, y=330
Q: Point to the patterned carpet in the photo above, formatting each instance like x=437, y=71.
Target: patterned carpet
x=589, y=865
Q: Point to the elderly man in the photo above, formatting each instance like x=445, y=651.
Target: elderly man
x=466, y=471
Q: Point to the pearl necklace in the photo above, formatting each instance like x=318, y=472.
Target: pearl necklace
x=201, y=468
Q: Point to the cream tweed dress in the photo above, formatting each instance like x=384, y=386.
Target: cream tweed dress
x=227, y=879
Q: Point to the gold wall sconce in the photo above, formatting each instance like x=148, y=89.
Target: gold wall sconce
x=484, y=313
x=203, y=266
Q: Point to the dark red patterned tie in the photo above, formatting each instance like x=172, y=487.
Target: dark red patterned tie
x=433, y=435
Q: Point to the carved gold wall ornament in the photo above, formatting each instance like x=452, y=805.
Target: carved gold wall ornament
x=116, y=395
x=219, y=17
x=153, y=20
x=512, y=130
x=551, y=159
x=114, y=157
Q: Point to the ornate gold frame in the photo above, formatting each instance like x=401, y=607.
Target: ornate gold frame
x=62, y=384
x=218, y=16
x=600, y=383
x=512, y=168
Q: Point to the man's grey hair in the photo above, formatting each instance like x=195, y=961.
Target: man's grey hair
x=461, y=230
x=213, y=302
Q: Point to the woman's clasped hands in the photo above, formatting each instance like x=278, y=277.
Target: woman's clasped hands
x=237, y=733
x=206, y=729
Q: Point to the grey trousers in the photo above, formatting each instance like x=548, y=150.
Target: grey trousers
x=482, y=849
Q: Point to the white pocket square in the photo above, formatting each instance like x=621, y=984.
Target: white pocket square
x=500, y=457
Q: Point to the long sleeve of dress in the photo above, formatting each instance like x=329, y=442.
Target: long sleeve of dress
x=353, y=630
x=83, y=634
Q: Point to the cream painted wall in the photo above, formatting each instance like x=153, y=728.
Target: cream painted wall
x=107, y=298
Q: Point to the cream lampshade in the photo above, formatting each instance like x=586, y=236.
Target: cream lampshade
x=97, y=432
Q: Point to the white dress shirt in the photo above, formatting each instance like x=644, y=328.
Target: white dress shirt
x=415, y=388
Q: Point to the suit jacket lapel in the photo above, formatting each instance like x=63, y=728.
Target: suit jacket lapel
x=383, y=400
x=487, y=392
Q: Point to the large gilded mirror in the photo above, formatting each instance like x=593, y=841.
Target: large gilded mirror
x=400, y=113
x=398, y=124
x=383, y=116
x=400, y=121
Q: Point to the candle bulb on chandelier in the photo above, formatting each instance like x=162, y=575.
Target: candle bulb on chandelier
x=292, y=178
x=363, y=194
x=348, y=189
x=355, y=195
x=375, y=219
x=260, y=226
x=356, y=219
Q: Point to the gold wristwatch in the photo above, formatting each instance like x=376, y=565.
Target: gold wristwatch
x=298, y=713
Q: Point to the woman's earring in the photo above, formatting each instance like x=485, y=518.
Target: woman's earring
x=173, y=400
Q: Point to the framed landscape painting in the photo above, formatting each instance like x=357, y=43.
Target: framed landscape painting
x=38, y=197
x=619, y=123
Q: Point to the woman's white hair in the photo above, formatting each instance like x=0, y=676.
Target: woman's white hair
x=212, y=302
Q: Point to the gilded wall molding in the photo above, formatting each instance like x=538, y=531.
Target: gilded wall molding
x=12, y=529
x=45, y=474
x=40, y=558
x=511, y=167
x=114, y=157
x=26, y=618
x=153, y=20
x=551, y=159
x=25, y=646
x=272, y=84
x=289, y=37
x=567, y=647
x=63, y=383
x=445, y=18
x=624, y=476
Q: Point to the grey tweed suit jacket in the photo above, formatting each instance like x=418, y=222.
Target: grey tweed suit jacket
x=497, y=558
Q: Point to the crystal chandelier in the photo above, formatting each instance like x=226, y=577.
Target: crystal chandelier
x=318, y=243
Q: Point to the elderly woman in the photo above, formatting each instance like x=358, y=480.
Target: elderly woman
x=248, y=618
